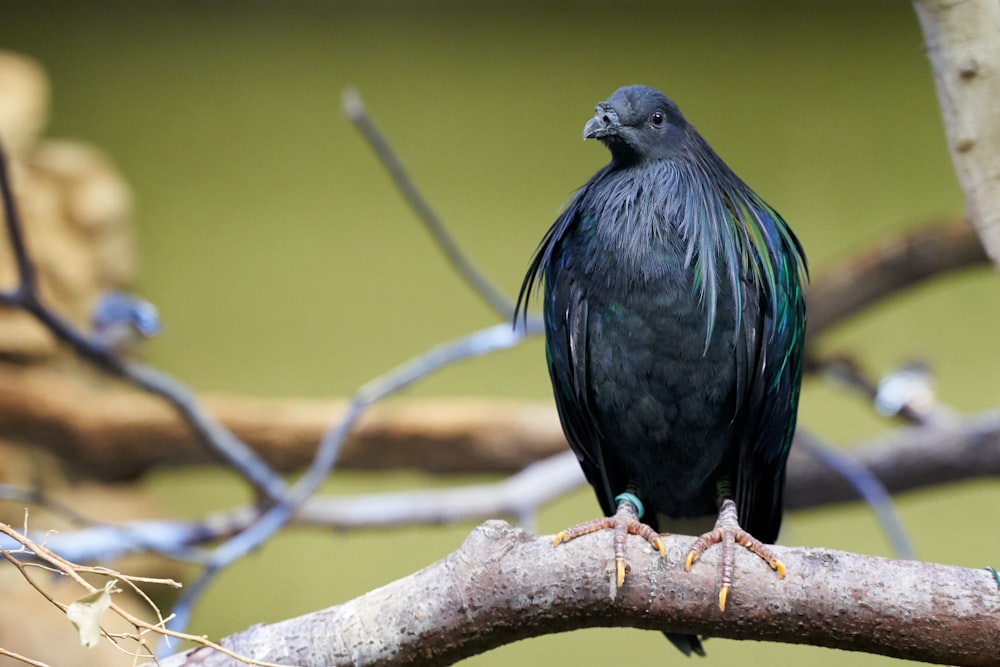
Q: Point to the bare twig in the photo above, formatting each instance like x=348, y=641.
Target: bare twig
x=357, y=114
x=23, y=569
x=866, y=486
x=21, y=658
x=519, y=496
x=39, y=497
x=72, y=570
x=26, y=296
x=273, y=518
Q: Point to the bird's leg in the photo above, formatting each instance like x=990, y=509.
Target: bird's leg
x=625, y=522
x=728, y=533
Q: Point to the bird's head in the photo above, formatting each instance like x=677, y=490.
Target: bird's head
x=638, y=123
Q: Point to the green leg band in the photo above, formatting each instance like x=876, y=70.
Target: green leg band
x=634, y=500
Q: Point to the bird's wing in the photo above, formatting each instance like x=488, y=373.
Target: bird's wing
x=772, y=333
x=566, y=314
x=566, y=322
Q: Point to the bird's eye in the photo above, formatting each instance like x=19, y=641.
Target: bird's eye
x=657, y=118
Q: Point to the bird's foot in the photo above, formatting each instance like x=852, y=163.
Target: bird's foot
x=728, y=533
x=625, y=522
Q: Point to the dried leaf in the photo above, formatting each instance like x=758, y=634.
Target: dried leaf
x=85, y=613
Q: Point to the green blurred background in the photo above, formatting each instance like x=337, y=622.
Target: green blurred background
x=284, y=263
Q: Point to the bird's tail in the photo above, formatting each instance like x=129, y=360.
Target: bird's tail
x=687, y=644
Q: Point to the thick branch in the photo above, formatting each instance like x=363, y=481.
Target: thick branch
x=96, y=423
x=964, y=51
x=83, y=422
x=909, y=458
x=503, y=585
x=890, y=267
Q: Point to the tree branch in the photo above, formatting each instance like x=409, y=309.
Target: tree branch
x=891, y=266
x=962, y=46
x=520, y=496
x=81, y=421
x=95, y=423
x=909, y=458
x=358, y=115
x=503, y=585
x=80, y=418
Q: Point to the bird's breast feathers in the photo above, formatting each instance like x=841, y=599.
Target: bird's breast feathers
x=634, y=236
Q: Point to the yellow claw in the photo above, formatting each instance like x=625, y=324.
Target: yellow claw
x=659, y=547
x=560, y=537
x=689, y=561
x=620, y=567
x=780, y=567
x=723, y=594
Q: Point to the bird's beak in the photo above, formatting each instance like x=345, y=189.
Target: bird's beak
x=604, y=123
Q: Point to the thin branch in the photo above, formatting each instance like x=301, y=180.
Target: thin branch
x=866, y=486
x=230, y=449
x=21, y=658
x=358, y=115
x=519, y=496
x=26, y=296
x=102, y=543
x=39, y=497
x=497, y=337
x=72, y=571
x=27, y=280
x=23, y=569
x=504, y=585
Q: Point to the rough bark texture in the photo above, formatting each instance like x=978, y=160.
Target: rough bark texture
x=962, y=38
x=503, y=585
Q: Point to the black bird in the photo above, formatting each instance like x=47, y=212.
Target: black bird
x=674, y=321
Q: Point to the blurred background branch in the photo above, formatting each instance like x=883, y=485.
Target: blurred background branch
x=83, y=426
x=80, y=419
x=962, y=46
